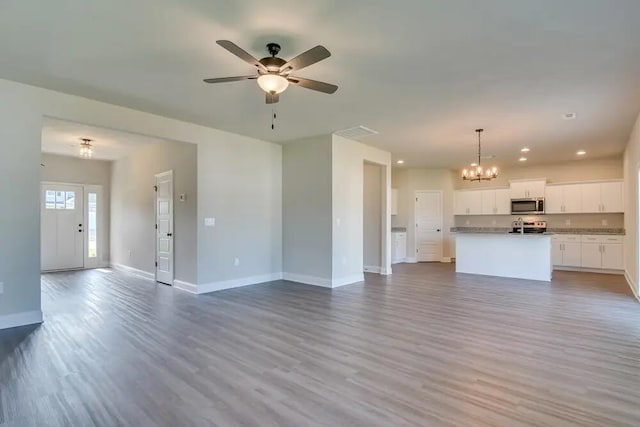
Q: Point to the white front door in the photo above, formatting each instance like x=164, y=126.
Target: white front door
x=164, y=227
x=428, y=214
x=62, y=227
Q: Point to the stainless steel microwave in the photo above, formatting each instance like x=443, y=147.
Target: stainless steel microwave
x=527, y=206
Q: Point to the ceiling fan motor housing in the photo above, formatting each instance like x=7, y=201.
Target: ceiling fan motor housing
x=272, y=63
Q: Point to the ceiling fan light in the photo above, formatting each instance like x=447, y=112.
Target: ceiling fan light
x=272, y=83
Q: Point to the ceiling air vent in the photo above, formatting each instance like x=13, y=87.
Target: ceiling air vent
x=356, y=132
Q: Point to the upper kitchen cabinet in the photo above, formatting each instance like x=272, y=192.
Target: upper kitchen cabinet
x=602, y=197
x=468, y=202
x=394, y=201
x=496, y=202
x=563, y=198
x=527, y=189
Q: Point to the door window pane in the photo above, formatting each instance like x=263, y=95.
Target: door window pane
x=70, y=201
x=60, y=199
x=50, y=199
x=92, y=226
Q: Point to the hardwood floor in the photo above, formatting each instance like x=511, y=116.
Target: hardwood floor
x=424, y=347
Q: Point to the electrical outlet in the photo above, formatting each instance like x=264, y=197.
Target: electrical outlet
x=1, y=287
x=493, y=222
x=468, y=222
x=129, y=251
x=567, y=222
x=605, y=222
x=236, y=261
x=338, y=222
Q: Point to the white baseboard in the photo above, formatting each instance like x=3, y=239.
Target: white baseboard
x=236, y=283
x=632, y=285
x=411, y=260
x=372, y=269
x=135, y=271
x=20, y=319
x=446, y=259
x=185, y=286
x=347, y=280
x=307, y=280
x=386, y=271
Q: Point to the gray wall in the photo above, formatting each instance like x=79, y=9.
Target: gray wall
x=132, y=206
x=20, y=133
x=307, y=207
x=240, y=185
x=372, y=215
x=75, y=170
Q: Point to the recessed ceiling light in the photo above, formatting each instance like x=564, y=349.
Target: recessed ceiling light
x=525, y=150
x=569, y=116
x=581, y=152
x=522, y=159
x=400, y=162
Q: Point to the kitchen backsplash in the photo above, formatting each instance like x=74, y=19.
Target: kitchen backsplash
x=553, y=221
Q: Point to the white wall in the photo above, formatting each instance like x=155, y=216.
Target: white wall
x=307, y=210
x=133, y=213
x=631, y=168
x=240, y=185
x=22, y=108
x=75, y=170
x=348, y=206
x=373, y=215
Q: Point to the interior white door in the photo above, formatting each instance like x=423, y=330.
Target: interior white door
x=61, y=228
x=164, y=227
x=428, y=214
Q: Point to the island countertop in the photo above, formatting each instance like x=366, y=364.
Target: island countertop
x=550, y=230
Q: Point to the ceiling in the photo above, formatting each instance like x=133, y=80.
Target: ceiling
x=424, y=73
x=63, y=138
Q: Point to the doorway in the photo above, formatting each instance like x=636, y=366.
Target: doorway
x=428, y=217
x=70, y=226
x=373, y=180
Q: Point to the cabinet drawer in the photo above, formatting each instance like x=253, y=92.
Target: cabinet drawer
x=566, y=238
x=604, y=238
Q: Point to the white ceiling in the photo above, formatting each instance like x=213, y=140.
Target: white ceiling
x=63, y=138
x=424, y=73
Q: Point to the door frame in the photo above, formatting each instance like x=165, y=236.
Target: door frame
x=415, y=223
x=87, y=263
x=155, y=231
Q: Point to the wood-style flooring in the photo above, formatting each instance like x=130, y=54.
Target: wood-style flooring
x=424, y=347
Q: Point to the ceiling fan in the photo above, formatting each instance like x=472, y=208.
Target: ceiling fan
x=274, y=73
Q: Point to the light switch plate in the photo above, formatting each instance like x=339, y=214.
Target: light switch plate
x=182, y=197
x=210, y=222
x=236, y=261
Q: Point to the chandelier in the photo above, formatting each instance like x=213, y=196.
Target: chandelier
x=86, y=149
x=479, y=174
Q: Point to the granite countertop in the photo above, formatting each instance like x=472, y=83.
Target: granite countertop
x=398, y=229
x=551, y=230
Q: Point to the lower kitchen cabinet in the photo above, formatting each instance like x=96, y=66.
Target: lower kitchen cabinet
x=398, y=247
x=566, y=250
x=598, y=252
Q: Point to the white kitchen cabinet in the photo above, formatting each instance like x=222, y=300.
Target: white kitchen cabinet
x=468, y=202
x=398, y=247
x=566, y=250
x=394, y=201
x=496, y=202
x=602, y=197
x=563, y=199
x=527, y=189
x=603, y=252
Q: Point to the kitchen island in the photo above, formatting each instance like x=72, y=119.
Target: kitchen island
x=520, y=256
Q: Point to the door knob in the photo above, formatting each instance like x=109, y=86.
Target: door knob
x=438, y=230
x=169, y=234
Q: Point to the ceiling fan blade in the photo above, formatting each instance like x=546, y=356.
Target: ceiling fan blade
x=313, y=84
x=305, y=59
x=242, y=54
x=272, y=98
x=229, y=79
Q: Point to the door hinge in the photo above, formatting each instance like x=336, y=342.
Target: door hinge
x=417, y=250
x=156, y=226
x=155, y=188
x=156, y=263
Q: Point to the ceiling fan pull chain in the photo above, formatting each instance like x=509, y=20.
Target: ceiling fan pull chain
x=273, y=117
